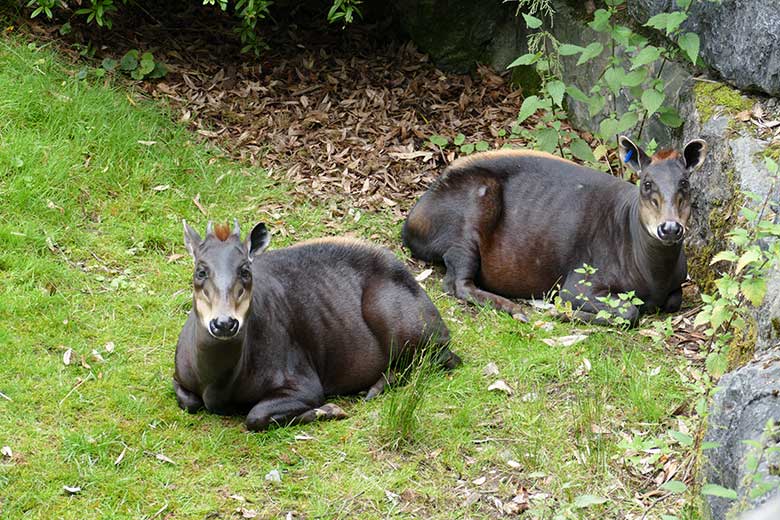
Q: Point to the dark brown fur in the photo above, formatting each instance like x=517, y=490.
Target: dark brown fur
x=517, y=224
x=326, y=317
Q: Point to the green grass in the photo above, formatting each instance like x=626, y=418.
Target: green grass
x=90, y=214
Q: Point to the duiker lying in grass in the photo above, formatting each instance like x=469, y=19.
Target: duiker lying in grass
x=270, y=335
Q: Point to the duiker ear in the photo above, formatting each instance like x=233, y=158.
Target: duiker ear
x=632, y=155
x=192, y=239
x=257, y=240
x=694, y=154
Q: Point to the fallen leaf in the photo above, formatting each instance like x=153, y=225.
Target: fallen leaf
x=247, y=513
x=304, y=437
x=273, y=476
x=161, y=187
x=147, y=143
x=564, y=341
x=67, y=357
x=97, y=357
x=238, y=498
x=394, y=498
x=109, y=347
x=423, y=275
x=163, y=458
x=514, y=464
x=174, y=257
x=479, y=481
x=6, y=452
x=196, y=201
x=491, y=369
x=743, y=116
x=544, y=325
x=121, y=457
x=501, y=386
x=72, y=489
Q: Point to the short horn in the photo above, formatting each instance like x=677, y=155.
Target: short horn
x=236, y=228
x=210, y=228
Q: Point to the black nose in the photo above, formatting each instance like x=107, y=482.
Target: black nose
x=670, y=230
x=224, y=327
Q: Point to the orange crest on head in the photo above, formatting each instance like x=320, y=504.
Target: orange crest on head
x=662, y=155
x=222, y=231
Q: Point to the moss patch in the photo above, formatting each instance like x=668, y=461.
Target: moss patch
x=712, y=95
x=743, y=347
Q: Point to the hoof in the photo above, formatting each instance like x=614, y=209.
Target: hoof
x=519, y=316
x=329, y=412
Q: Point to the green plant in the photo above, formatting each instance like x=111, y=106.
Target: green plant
x=625, y=72
x=742, y=287
x=138, y=66
x=440, y=142
x=345, y=11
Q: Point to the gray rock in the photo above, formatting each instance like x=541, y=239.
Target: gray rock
x=458, y=34
x=747, y=399
x=740, y=39
x=769, y=511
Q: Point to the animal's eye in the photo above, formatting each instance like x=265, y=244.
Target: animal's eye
x=245, y=273
x=684, y=184
x=201, y=274
x=647, y=185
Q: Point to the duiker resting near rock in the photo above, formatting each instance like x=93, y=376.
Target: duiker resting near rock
x=270, y=335
x=518, y=224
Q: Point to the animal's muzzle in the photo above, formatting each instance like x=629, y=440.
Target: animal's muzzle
x=223, y=328
x=671, y=231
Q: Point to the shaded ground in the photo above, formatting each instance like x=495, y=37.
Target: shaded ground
x=340, y=113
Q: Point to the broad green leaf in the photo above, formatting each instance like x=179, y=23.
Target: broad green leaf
x=590, y=52
x=669, y=517
x=439, y=140
x=748, y=257
x=754, y=290
x=674, y=486
x=720, y=313
x=588, y=500
x=108, y=64
x=675, y=19
x=577, y=94
x=718, y=491
x=724, y=256
x=622, y=35
x=459, y=140
x=658, y=21
x=531, y=21
x=682, y=438
x=635, y=78
x=647, y=55
x=600, y=21
x=525, y=59
x=652, y=100
x=683, y=4
x=482, y=146
x=596, y=104
x=770, y=164
x=557, y=89
x=689, y=42
x=627, y=121
x=709, y=445
x=608, y=127
x=546, y=139
x=129, y=61
x=716, y=363
x=614, y=78
x=146, y=64
x=467, y=148
x=670, y=117
x=581, y=150
x=529, y=107
x=567, y=49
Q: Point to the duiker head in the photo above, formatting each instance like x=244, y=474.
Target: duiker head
x=664, y=189
x=222, y=279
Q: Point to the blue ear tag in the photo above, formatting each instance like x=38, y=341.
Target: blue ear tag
x=629, y=154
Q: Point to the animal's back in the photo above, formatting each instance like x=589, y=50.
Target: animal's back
x=347, y=303
x=527, y=212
